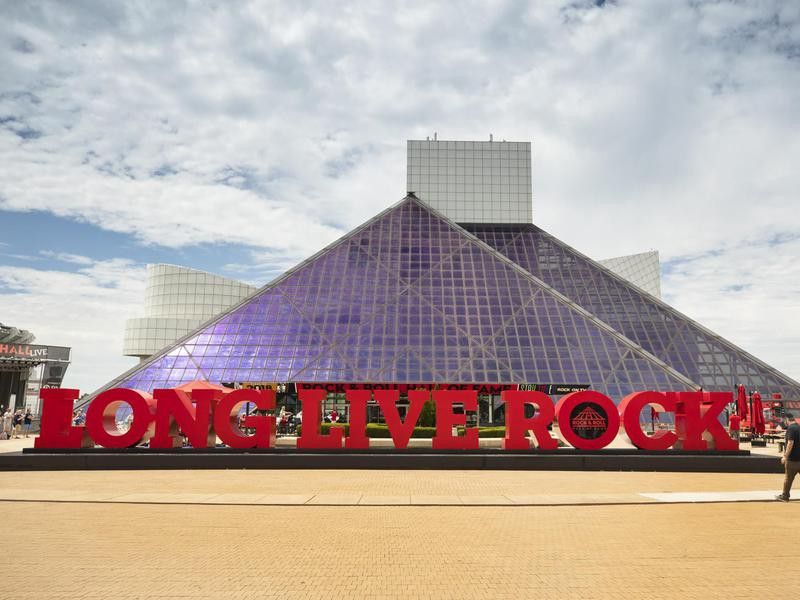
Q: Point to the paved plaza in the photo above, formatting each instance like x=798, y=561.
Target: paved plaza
x=442, y=534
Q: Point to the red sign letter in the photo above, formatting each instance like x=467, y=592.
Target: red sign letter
x=310, y=437
x=693, y=419
x=56, y=430
x=588, y=419
x=357, y=437
x=174, y=411
x=517, y=425
x=226, y=416
x=399, y=430
x=446, y=420
x=101, y=418
x=631, y=408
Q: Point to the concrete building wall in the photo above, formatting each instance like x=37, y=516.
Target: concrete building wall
x=178, y=300
x=473, y=182
x=642, y=270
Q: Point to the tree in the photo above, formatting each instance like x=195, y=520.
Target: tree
x=427, y=417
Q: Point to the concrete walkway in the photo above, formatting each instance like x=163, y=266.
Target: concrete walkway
x=334, y=499
x=16, y=444
x=384, y=488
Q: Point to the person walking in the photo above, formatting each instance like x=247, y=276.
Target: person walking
x=791, y=456
x=8, y=418
x=27, y=420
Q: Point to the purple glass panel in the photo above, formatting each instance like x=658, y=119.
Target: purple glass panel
x=708, y=360
x=409, y=297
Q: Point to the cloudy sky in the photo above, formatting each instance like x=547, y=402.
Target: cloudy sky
x=241, y=137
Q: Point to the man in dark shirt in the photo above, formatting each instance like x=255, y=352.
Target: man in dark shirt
x=791, y=456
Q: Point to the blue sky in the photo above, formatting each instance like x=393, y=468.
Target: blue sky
x=241, y=137
x=46, y=241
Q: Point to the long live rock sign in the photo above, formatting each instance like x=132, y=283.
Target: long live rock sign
x=205, y=414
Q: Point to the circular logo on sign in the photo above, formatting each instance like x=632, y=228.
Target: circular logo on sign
x=588, y=420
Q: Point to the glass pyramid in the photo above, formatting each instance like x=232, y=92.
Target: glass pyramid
x=699, y=354
x=408, y=297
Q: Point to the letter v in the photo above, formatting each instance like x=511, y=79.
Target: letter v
x=399, y=430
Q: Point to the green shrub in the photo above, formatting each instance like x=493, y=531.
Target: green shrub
x=487, y=432
x=379, y=431
x=424, y=432
x=325, y=428
x=492, y=432
x=374, y=430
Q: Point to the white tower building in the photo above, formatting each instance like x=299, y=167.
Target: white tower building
x=178, y=300
x=473, y=182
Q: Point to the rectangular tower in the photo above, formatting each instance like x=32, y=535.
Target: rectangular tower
x=473, y=182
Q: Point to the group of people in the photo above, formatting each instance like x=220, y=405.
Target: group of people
x=15, y=422
x=286, y=421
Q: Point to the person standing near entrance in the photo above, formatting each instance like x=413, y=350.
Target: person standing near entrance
x=8, y=417
x=17, y=423
x=27, y=420
x=282, y=420
x=734, y=424
x=791, y=456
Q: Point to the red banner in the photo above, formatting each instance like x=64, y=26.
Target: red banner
x=342, y=388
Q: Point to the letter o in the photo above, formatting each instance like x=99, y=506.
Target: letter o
x=567, y=404
x=101, y=418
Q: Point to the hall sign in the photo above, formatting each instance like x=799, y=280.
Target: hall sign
x=34, y=352
x=26, y=351
x=587, y=420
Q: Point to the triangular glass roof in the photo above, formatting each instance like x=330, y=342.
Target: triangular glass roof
x=688, y=347
x=408, y=297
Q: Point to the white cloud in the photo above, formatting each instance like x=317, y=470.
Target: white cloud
x=748, y=293
x=646, y=118
x=67, y=257
x=85, y=310
x=654, y=124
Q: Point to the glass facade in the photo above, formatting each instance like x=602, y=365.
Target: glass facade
x=697, y=353
x=409, y=297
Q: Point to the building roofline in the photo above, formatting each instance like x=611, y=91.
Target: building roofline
x=670, y=309
x=438, y=141
x=565, y=300
x=413, y=199
x=218, y=317
x=197, y=271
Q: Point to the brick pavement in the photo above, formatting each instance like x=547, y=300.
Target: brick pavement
x=331, y=487
x=382, y=482
x=106, y=550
